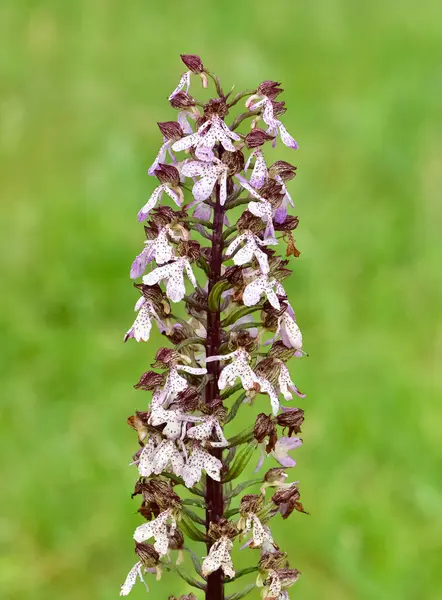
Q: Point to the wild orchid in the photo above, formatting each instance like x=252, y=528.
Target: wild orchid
x=230, y=349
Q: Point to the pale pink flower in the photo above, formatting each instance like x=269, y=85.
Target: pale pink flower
x=158, y=249
x=283, y=446
x=219, y=558
x=142, y=325
x=156, y=196
x=289, y=332
x=198, y=461
x=263, y=285
x=209, y=174
x=203, y=432
x=158, y=529
x=259, y=172
x=212, y=131
x=286, y=385
x=135, y=573
x=239, y=367
x=262, y=209
x=173, y=272
x=250, y=249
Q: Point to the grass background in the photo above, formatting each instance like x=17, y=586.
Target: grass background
x=82, y=85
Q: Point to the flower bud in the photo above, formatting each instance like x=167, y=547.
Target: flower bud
x=257, y=137
x=182, y=100
x=270, y=561
x=234, y=275
x=268, y=368
x=223, y=528
x=193, y=63
x=168, y=174
x=288, y=577
x=188, y=400
x=139, y=422
x=177, y=334
x=287, y=500
x=155, y=296
x=284, y=169
x=249, y=222
x=280, y=352
x=288, y=224
x=165, y=357
x=251, y=503
x=272, y=191
x=234, y=161
x=270, y=89
x=147, y=554
x=265, y=427
x=176, y=540
x=275, y=477
x=171, y=130
x=150, y=381
x=189, y=248
x=278, y=108
x=216, y=106
x=242, y=339
x=292, y=418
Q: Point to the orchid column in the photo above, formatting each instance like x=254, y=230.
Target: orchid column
x=230, y=348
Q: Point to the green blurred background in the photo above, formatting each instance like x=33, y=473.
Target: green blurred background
x=82, y=86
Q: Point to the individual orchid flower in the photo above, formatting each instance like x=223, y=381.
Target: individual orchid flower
x=198, y=461
x=277, y=583
x=210, y=174
x=175, y=420
x=239, y=367
x=281, y=211
x=260, y=533
x=286, y=385
x=175, y=383
x=204, y=211
x=263, y=285
x=219, y=558
x=274, y=125
x=195, y=65
x=173, y=272
x=209, y=133
x=183, y=119
x=262, y=209
x=165, y=149
x=142, y=325
x=158, y=249
x=266, y=387
x=280, y=452
x=203, y=432
x=260, y=171
x=250, y=249
x=288, y=331
x=156, y=196
x=135, y=573
x=159, y=530
x=146, y=458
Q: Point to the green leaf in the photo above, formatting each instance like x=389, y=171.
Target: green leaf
x=242, y=593
x=215, y=294
x=239, y=312
x=240, y=462
x=242, y=486
x=189, y=341
x=235, y=407
x=243, y=572
x=191, y=530
x=179, y=481
x=187, y=578
x=194, y=502
x=230, y=391
x=241, y=438
x=195, y=560
x=193, y=516
x=231, y=512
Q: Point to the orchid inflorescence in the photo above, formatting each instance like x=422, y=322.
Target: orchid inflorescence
x=221, y=346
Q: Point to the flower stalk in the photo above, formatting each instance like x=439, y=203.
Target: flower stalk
x=220, y=357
